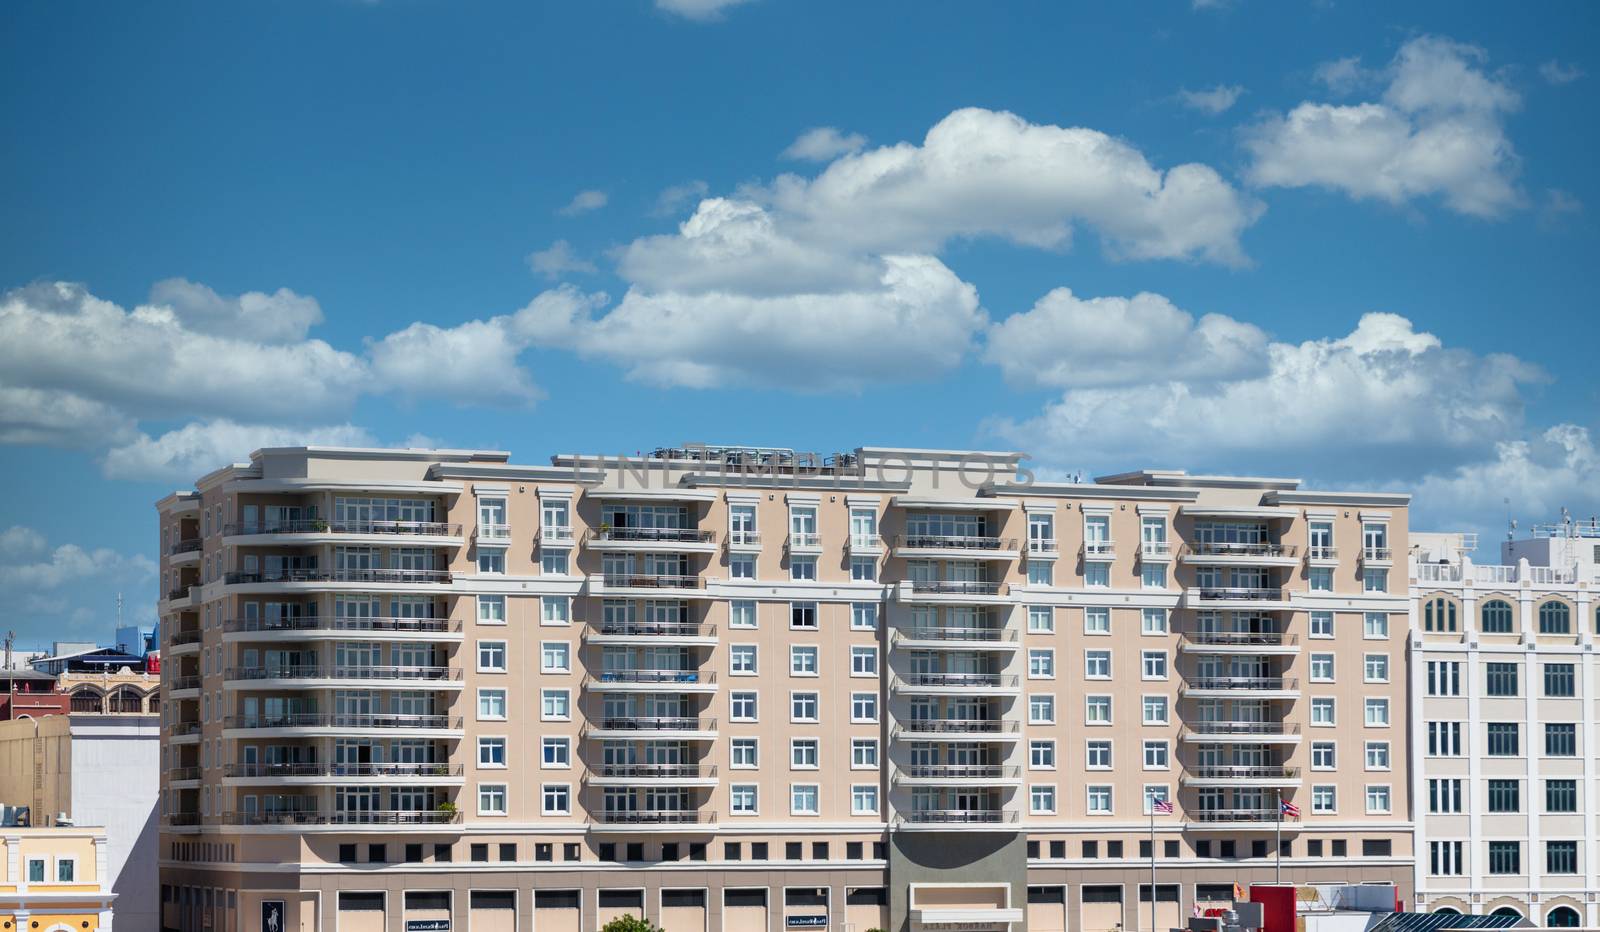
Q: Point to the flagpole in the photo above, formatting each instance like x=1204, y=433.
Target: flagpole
x=1277, y=870
x=1153, y=865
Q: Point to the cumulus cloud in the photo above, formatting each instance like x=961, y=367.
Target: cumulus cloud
x=673, y=198
x=31, y=571
x=1214, y=100
x=823, y=143
x=558, y=260
x=1383, y=394
x=51, y=590
x=583, y=202
x=181, y=455
x=987, y=173
x=280, y=317
x=699, y=10
x=1534, y=477
x=20, y=541
x=1438, y=131
x=1343, y=75
x=1069, y=342
x=1554, y=72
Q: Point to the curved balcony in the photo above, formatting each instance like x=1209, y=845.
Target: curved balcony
x=1241, y=733
x=182, y=642
x=652, y=681
x=321, y=531
x=1239, y=642
x=1266, y=599
x=957, y=729
x=1241, y=687
x=182, y=597
x=183, y=684
x=439, y=774
x=184, y=733
x=185, y=552
x=956, y=637
x=652, y=727
x=941, y=684
x=653, y=775
x=647, y=585
x=956, y=546
x=351, y=676
x=651, y=632
x=318, y=724
x=1241, y=775
x=1265, y=819
x=328, y=627
x=943, y=817
x=652, y=540
x=953, y=592
x=188, y=776
x=351, y=817
x=1220, y=553
x=316, y=579
x=959, y=775
x=641, y=819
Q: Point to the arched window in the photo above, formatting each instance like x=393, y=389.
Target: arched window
x=1555, y=618
x=1447, y=911
x=1496, y=617
x=127, y=699
x=86, y=699
x=1507, y=911
x=155, y=702
x=1562, y=917
x=1439, y=615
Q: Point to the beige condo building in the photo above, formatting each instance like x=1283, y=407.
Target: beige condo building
x=749, y=689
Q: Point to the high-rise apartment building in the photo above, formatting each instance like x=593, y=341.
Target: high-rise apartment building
x=746, y=689
x=1505, y=750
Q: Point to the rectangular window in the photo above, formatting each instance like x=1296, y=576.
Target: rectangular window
x=555, y=610
x=1097, y=621
x=491, y=752
x=1099, y=799
x=1097, y=575
x=863, y=753
x=491, y=609
x=1321, y=668
x=491, y=704
x=803, y=569
x=744, y=753
x=1560, y=739
x=1321, y=578
x=1153, y=664
x=1041, y=619
x=803, y=616
x=1377, y=755
x=491, y=799
x=492, y=561
x=864, y=616
x=1378, y=799
x=1097, y=664
x=1377, y=712
x=864, y=569
x=553, y=562
x=864, y=799
x=1444, y=795
x=742, y=706
x=1324, y=799
x=803, y=799
x=742, y=798
x=1375, y=668
x=1041, y=755
x=864, y=661
x=555, y=799
x=1155, y=755
x=1444, y=739
x=1042, y=799
x=1501, y=679
x=1374, y=580
x=1153, y=575
x=1322, y=710
x=1505, y=857
x=1041, y=663
x=803, y=707
x=1560, y=680
x=1375, y=625
x=1097, y=755
x=1444, y=859
x=803, y=754
x=1324, y=755
x=741, y=566
x=555, y=657
x=1097, y=710
x=491, y=656
x=1041, y=573
x=1505, y=796
x=741, y=614
x=1322, y=624
x=1444, y=677
x=555, y=705
x=556, y=752
x=1153, y=621
x=1561, y=795
x=802, y=660
x=1041, y=709
x=1504, y=739
x=1561, y=857
x=863, y=707
x=742, y=659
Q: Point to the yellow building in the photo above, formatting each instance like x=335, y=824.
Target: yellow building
x=55, y=880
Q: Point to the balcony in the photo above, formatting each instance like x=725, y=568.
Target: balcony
x=351, y=817
x=556, y=536
x=866, y=545
x=805, y=542
x=182, y=594
x=185, y=549
x=652, y=632
x=1241, y=732
x=181, y=819
x=1239, y=687
x=1322, y=555
x=493, y=534
x=323, y=530
x=1377, y=556
x=958, y=729
x=1099, y=551
x=953, y=591
x=1220, y=553
x=423, y=774
x=648, y=585
x=1156, y=551
x=320, y=676
x=955, y=546
x=1043, y=547
x=686, y=727
x=401, y=577
x=959, y=774
x=1241, y=775
x=1233, y=819
x=1238, y=642
x=742, y=541
x=183, y=642
x=653, y=775
x=956, y=637
x=936, y=684
x=652, y=540
x=942, y=817
x=313, y=724
x=1238, y=597
x=184, y=733
x=183, y=775
x=635, y=819
x=647, y=680
x=329, y=627
x=180, y=684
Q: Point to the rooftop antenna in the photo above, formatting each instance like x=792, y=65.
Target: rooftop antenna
x=1511, y=523
x=11, y=637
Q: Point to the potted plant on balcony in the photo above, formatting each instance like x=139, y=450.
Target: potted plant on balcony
x=446, y=808
x=319, y=525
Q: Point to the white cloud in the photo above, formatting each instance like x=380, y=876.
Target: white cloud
x=1214, y=100
x=823, y=143
x=676, y=196
x=57, y=418
x=21, y=541
x=1384, y=394
x=986, y=173
x=584, y=202
x=1343, y=75
x=280, y=317
x=700, y=10
x=1534, y=478
x=181, y=455
x=1558, y=205
x=1557, y=73
x=51, y=590
x=558, y=260
x=1438, y=131
x=1069, y=342
x=68, y=563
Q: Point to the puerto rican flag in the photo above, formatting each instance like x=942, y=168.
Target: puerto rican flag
x=1290, y=809
x=1162, y=806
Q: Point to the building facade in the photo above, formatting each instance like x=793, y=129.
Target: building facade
x=55, y=880
x=748, y=689
x=1504, y=738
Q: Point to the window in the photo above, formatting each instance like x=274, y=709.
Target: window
x=1097, y=755
x=1321, y=668
x=744, y=753
x=491, y=704
x=1097, y=710
x=491, y=799
x=742, y=798
x=553, y=516
x=1555, y=618
x=555, y=799
x=1444, y=739
x=1505, y=857
x=803, y=754
x=491, y=656
x=803, y=616
x=1041, y=663
x=1324, y=755
x=741, y=614
x=1041, y=619
x=555, y=657
x=1153, y=621
x=1444, y=795
x=1155, y=755
x=556, y=752
x=1097, y=621
x=1154, y=664
x=1561, y=857
x=803, y=569
x=1505, y=796
x=864, y=661
x=1560, y=739
x=1561, y=795
x=553, y=562
x=1041, y=755
x=1503, y=739
x=1041, y=573
x=1041, y=709
x=863, y=753
x=864, y=616
x=742, y=706
x=864, y=799
x=802, y=707
x=1378, y=800
x=1495, y=617
x=555, y=610
x=1377, y=712
x=491, y=609
x=803, y=799
x=1501, y=679
x=1099, y=799
x=863, y=569
x=1322, y=624
x=1321, y=578
x=492, y=560
x=491, y=752
x=863, y=528
x=741, y=566
x=1375, y=668
x=742, y=659
x=1097, y=575
x=863, y=707
x=1322, y=710
x=1560, y=680
x=1375, y=625
x=1439, y=615
x=1154, y=793
x=1377, y=755
x=1042, y=799
x=555, y=705
x=1097, y=664
x=1324, y=799
x=1153, y=575
x=1444, y=859
x=1154, y=710
x=1444, y=677
x=802, y=660
x=36, y=868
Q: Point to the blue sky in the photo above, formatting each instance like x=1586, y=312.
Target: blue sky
x=1348, y=242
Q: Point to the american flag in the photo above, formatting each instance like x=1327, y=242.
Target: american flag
x=1162, y=806
x=1290, y=809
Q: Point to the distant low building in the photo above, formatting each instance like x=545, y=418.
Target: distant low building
x=56, y=878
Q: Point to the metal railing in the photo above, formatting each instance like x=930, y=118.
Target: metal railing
x=349, y=817
x=353, y=720
x=652, y=723
x=181, y=818
x=1155, y=548
x=1241, y=772
x=1322, y=553
x=1043, y=545
x=958, y=726
x=343, y=672
x=957, y=816
x=655, y=771
x=652, y=581
x=961, y=771
x=953, y=542
x=186, y=546
x=318, y=575
x=960, y=680
x=256, y=771
x=180, y=683
x=651, y=535
x=685, y=677
x=1229, y=549
x=958, y=587
x=182, y=592
x=1234, y=815
x=183, y=729
x=968, y=634
x=1102, y=549
x=559, y=534
x=1265, y=683
x=1235, y=729
x=655, y=817
x=1218, y=593
x=181, y=638
x=494, y=532
x=1379, y=554
x=337, y=623
x=183, y=773
x=803, y=539
x=324, y=526
x=1240, y=638
x=671, y=629
x=744, y=539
